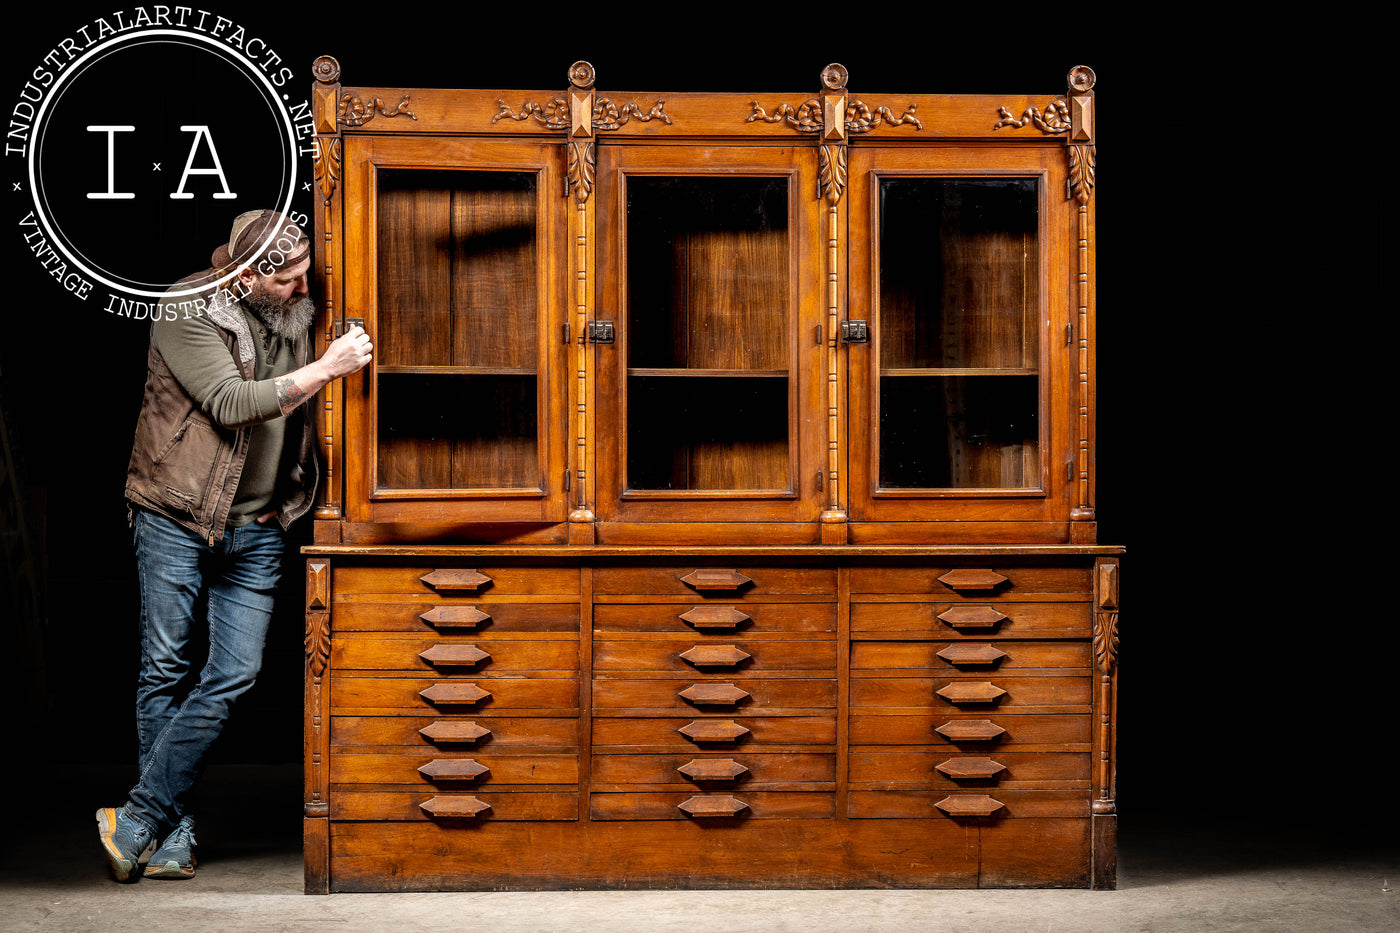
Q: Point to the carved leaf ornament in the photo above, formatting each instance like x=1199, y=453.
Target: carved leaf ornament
x=318, y=641
x=327, y=166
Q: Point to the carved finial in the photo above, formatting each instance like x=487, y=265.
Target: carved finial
x=581, y=74
x=326, y=70
x=1081, y=78
x=834, y=76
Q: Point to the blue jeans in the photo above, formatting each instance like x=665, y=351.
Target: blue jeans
x=239, y=577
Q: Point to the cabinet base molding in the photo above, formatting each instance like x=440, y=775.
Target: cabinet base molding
x=709, y=854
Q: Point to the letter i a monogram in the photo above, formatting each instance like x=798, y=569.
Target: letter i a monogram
x=200, y=132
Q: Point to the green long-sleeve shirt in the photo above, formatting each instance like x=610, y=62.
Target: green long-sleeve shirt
x=199, y=360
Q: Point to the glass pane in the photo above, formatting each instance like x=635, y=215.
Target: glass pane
x=958, y=432
x=441, y=431
x=457, y=335
x=958, y=329
x=707, y=333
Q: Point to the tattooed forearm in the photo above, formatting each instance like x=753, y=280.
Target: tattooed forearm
x=289, y=394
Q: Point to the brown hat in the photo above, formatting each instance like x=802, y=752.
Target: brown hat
x=263, y=240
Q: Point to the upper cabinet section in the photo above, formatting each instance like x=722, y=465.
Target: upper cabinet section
x=632, y=318
x=458, y=283
x=709, y=271
x=961, y=397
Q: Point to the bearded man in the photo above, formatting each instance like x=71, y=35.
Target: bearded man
x=223, y=463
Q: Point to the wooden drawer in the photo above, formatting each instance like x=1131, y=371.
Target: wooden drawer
x=981, y=580
x=751, y=771
x=715, y=582
x=455, y=732
x=970, y=657
x=456, y=579
x=751, y=806
x=1058, y=731
x=453, y=769
x=409, y=805
x=1068, y=694
x=884, y=769
x=913, y=804
x=688, y=697
x=451, y=616
x=970, y=620
x=375, y=693
x=454, y=655
x=756, y=731
x=716, y=619
x=685, y=655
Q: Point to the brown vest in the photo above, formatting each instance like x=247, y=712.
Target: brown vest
x=186, y=467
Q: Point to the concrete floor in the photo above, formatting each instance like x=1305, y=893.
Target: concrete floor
x=1173, y=876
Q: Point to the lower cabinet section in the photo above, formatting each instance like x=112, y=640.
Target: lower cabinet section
x=536, y=718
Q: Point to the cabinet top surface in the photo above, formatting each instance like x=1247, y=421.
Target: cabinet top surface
x=619, y=551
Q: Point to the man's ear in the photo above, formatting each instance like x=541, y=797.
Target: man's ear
x=247, y=277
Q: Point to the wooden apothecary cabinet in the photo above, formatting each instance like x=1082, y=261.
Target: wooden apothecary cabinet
x=718, y=510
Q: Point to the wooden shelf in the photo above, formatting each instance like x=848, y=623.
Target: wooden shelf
x=933, y=371
x=456, y=371
x=671, y=372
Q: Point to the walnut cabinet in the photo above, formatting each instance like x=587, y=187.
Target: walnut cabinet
x=718, y=509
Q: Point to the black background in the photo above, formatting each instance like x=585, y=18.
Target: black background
x=1255, y=660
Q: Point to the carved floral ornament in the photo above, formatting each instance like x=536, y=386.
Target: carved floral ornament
x=859, y=118
x=607, y=115
x=326, y=69
x=353, y=111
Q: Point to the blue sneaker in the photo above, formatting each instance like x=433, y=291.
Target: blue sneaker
x=122, y=838
x=175, y=857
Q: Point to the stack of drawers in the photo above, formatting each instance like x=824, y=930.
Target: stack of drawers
x=620, y=721
x=971, y=692
x=456, y=694
x=714, y=693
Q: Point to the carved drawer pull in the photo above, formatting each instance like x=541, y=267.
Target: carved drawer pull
x=716, y=656
x=713, y=730
x=454, y=694
x=709, y=807
x=978, y=805
x=972, y=692
x=454, y=808
x=971, y=769
x=714, y=694
x=713, y=769
x=970, y=730
x=972, y=655
x=968, y=579
x=716, y=581
x=445, y=732
x=456, y=581
x=718, y=618
x=961, y=617
x=454, y=655
x=455, y=617
x=453, y=769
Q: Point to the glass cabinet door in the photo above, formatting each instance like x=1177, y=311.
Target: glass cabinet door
x=460, y=302
x=703, y=398
x=951, y=397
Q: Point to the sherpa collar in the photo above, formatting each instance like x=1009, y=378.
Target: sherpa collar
x=223, y=309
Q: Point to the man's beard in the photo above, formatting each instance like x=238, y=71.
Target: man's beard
x=288, y=318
